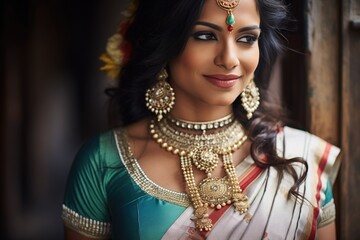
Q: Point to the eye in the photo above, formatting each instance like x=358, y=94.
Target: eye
x=248, y=39
x=204, y=36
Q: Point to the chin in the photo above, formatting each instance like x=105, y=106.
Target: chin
x=224, y=102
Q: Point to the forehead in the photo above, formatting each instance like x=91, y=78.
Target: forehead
x=245, y=12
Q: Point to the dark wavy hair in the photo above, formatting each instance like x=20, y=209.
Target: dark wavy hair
x=159, y=32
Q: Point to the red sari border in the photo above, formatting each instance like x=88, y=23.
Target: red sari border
x=251, y=175
x=320, y=170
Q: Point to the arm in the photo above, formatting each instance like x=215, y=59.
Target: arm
x=84, y=210
x=327, y=228
x=327, y=232
x=72, y=235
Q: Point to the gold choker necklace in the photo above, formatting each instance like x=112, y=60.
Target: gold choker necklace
x=204, y=152
x=201, y=126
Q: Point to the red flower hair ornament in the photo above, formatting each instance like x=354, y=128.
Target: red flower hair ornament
x=118, y=51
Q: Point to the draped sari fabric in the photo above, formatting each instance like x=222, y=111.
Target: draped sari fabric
x=108, y=195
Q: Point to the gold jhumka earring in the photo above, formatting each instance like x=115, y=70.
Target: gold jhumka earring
x=250, y=98
x=161, y=97
x=228, y=5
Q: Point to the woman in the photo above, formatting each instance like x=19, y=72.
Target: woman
x=197, y=154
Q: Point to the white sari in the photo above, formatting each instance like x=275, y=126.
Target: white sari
x=272, y=215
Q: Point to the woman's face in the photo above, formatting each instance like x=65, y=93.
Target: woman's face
x=216, y=64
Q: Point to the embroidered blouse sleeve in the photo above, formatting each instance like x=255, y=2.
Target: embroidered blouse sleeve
x=327, y=209
x=328, y=161
x=85, y=205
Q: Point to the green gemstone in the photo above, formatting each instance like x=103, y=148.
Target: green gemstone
x=230, y=20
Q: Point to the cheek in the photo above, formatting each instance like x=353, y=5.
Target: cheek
x=250, y=60
x=192, y=58
x=188, y=63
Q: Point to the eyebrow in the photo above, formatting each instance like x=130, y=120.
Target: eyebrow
x=218, y=28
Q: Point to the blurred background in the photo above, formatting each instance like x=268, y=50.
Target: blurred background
x=52, y=99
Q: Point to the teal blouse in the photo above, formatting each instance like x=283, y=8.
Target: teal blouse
x=100, y=188
x=102, y=194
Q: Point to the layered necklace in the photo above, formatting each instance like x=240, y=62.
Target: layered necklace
x=203, y=150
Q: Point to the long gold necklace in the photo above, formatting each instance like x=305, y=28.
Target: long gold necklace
x=204, y=152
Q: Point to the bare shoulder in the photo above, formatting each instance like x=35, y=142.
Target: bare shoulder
x=138, y=135
x=139, y=129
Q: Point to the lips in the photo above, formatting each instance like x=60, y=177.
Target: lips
x=222, y=81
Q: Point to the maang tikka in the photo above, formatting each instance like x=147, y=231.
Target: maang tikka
x=160, y=98
x=250, y=98
x=228, y=5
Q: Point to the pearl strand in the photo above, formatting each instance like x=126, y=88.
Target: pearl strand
x=203, y=151
x=201, y=126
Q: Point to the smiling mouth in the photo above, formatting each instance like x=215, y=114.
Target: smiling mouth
x=222, y=77
x=222, y=81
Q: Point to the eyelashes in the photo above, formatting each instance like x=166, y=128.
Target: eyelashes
x=248, y=38
x=204, y=36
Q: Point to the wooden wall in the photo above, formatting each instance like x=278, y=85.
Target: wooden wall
x=52, y=99
x=325, y=99
x=350, y=120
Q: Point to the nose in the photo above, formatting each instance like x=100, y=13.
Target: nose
x=227, y=56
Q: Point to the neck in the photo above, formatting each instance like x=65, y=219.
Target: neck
x=200, y=126
x=201, y=114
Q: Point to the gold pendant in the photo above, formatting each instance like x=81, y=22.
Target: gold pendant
x=201, y=219
x=216, y=192
x=227, y=4
x=203, y=224
x=205, y=159
x=241, y=202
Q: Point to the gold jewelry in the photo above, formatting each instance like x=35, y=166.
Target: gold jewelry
x=204, y=151
x=228, y=5
x=250, y=98
x=201, y=126
x=183, y=143
x=161, y=97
